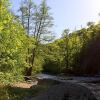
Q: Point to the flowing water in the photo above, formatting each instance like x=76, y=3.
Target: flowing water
x=69, y=78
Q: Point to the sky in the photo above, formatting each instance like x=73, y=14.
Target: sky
x=70, y=14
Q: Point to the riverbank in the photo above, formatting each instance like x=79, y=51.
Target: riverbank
x=25, y=90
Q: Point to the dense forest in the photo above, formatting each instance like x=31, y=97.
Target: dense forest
x=28, y=45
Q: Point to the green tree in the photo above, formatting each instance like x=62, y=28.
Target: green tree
x=42, y=22
x=12, y=45
x=66, y=48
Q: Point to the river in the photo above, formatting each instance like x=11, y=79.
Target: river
x=69, y=78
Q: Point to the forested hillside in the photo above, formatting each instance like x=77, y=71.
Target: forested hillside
x=75, y=53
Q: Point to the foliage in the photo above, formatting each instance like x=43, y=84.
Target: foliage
x=37, y=20
x=69, y=53
x=12, y=44
x=23, y=44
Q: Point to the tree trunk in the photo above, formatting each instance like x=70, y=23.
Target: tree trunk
x=28, y=71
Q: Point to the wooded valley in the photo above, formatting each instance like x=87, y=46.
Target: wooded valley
x=28, y=45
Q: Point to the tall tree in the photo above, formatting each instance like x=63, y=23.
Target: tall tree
x=26, y=12
x=39, y=23
x=42, y=24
